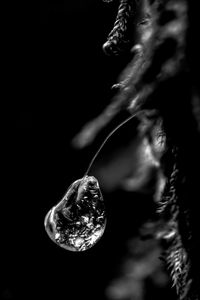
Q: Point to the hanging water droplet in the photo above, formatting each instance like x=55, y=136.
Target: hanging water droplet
x=78, y=221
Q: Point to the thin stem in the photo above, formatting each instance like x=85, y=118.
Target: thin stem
x=110, y=134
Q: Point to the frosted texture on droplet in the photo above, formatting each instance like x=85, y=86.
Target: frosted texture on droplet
x=78, y=221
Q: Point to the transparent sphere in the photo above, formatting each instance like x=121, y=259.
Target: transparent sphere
x=78, y=221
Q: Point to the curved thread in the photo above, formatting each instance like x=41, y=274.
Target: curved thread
x=110, y=134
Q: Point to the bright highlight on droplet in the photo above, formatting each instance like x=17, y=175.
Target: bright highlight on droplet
x=78, y=221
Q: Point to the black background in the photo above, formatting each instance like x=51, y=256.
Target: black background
x=59, y=80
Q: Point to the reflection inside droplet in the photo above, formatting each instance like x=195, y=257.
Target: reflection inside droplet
x=78, y=221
